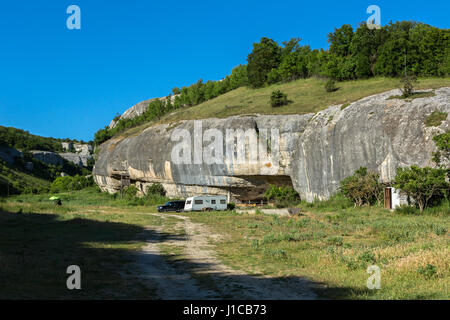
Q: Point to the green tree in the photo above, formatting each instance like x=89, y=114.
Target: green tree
x=422, y=184
x=443, y=145
x=265, y=56
x=239, y=77
x=363, y=187
x=278, y=99
x=340, y=40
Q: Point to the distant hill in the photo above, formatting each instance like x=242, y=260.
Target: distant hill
x=29, y=163
x=25, y=141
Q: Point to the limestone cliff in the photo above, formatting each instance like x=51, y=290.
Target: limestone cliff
x=315, y=151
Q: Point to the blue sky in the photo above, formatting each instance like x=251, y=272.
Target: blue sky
x=69, y=83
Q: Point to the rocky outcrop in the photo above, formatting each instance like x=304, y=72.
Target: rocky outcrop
x=47, y=157
x=80, y=160
x=9, y=154
x=137, y=110
x=315, y=151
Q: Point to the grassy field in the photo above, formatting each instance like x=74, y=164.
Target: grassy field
x=305, y=95
x=329, y=243
x=38, y=241
x=333, y=247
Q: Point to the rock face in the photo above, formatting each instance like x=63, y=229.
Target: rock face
x=80, y=160
x=137, y=110
x=47, y=157
x=313, y=154
x=9, y=154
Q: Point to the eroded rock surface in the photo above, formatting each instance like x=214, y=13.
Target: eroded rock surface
x=316, y=151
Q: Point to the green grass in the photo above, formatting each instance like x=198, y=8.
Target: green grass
x=415, y=95
x=330, y=242
x=38, y=241
x=306, y=96
x=18, y=180
x=333, y=247
x=435, y=119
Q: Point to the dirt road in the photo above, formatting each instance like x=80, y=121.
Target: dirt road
x=197, y=273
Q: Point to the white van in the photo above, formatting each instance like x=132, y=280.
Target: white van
x=206, y=203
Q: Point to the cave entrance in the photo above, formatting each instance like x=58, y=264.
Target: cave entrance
x=259, y=184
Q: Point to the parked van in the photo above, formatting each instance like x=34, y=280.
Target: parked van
x=206, y=203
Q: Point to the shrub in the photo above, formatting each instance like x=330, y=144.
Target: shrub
x=130, y=192
x=278, y=99
x=407, y=85
x=231, y=206
x=367, y=257
x=283, y=195
x=68, y=183
x=156, y=189
x=443, y=144
x=330, y=85
x=427, y=271
x=422, y=184
x=362, y=187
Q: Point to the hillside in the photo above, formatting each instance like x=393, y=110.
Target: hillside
x=305, y=96
x=29, y=163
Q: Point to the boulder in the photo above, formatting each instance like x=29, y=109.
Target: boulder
x=315, y=151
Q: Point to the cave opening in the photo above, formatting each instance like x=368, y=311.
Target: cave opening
x=254, y=194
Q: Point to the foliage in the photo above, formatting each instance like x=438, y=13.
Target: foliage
x=363, y=187
x=156, y=189
x=130, y=192
x=407, y=83
x=68, y=183
x=428, y=271
x=330, y=85
x=422, y=184
x=278, y=98
x=443, y=145
x=25, y=141
x=264, y=57
x=282, y=194
x=435, y=119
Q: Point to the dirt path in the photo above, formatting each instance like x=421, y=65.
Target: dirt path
x=200, y=274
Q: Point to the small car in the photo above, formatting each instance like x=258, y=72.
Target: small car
x=177, y=206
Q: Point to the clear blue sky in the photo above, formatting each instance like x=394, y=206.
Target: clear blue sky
x=69, y=83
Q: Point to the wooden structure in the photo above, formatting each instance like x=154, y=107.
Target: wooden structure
x=125, y=182
x=388, y=198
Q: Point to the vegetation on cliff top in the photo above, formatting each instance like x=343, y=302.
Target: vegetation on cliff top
x=353, y=54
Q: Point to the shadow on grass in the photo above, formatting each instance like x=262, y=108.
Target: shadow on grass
x=36, y=249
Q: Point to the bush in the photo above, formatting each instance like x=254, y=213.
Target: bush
x=130, y=192
x=231, y=206
x=278, y=99
x=156, y=189
x=423, y=184
x=362, y=187
x=330, y=85
x=283, y=196
x=443, y=144
x=68, y=183
x=428, y=271
x=407, y=85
